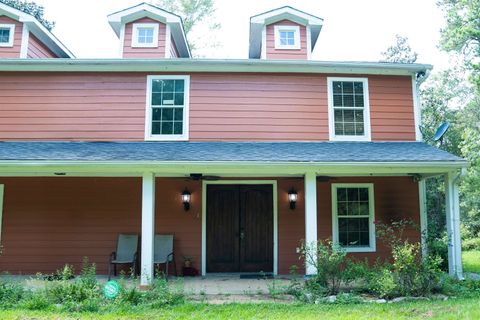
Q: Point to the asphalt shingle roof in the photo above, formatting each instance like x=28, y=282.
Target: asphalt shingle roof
x=225, y=151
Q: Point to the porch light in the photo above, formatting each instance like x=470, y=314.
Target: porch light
x=186, y=199
x=292, y=197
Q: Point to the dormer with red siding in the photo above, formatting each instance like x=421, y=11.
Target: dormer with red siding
x=146, y=31
x=22, y=36
x=284, y=33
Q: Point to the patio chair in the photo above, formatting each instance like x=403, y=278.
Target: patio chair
x=126, y=253
x=163, y=251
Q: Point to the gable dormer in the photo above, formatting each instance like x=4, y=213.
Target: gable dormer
x=22, y=36
x=146, y=31
x=283, y=33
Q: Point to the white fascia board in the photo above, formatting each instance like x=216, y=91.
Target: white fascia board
x=211, y=65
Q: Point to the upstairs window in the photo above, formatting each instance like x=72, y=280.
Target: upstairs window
x=145, y=35
x=6, y=35
x=167, y=108
x=287, y=37
x=348, y=109
x=353, y=215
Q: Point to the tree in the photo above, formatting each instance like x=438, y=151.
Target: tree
x=31, y=8
x=195, y=13
x=400, y=52
x=462, y=32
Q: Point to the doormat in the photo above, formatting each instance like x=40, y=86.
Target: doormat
x=256, y=276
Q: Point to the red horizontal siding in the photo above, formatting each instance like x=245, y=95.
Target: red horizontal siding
x=12, y=52
x=273, y=53
x=241, y=107
x=157, y=52
x=37, y=50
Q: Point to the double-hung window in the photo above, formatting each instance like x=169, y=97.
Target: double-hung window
x=287, y=37
x=348, y=109
x=145, y=35
x=353, y=217
x=167, y=107
x=6, y=35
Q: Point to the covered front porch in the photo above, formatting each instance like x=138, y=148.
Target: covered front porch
x=59, y=211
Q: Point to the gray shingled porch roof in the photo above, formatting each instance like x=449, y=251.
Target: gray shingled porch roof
x=294, y=152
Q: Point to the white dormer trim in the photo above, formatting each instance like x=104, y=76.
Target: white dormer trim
x=11, y=34
x=135, y=35
x=309, y=43
x=168, y=42
x=122, y=40
x=296, y=35
x=25, y=39
x=286, y=13
x=264, y=43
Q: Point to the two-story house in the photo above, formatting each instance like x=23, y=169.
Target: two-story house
x=263, y=152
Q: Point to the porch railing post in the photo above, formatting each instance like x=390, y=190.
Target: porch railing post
x=422, y=196
x=452, y=208
x=148, y=228
x=311, y=219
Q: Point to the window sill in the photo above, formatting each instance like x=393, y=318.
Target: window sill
x=359, y=249
x=6, y=45
x=350, y=138
x=287, y=48
x=167, y=138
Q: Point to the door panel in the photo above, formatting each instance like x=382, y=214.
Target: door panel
x=239, y=228
x=222, y=228
x=256, y=223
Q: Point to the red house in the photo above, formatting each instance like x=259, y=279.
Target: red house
x=272, y=149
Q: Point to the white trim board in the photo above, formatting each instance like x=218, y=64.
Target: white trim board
x=371, y=226
x=135, y=36
x=275, y=218
x=287, y=28
x=11, y=34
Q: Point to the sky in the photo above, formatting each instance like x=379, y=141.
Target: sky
x=353, y=30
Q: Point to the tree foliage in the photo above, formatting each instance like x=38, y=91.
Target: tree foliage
x=195, y=13
x=462, y=32
x=31, y=8
x=400, y=52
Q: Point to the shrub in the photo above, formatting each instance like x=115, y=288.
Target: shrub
x=471, y=244
x=329, y=262
x=36, y=301
x=10, y=293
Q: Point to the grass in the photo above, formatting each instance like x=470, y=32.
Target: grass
x=461, y=308
x=471, y=261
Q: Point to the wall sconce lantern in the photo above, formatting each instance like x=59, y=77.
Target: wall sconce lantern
x=186, y=199
x=292, y=198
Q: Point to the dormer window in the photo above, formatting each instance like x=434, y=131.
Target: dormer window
x=145, y=35
x=6, y=35
x=287, y=37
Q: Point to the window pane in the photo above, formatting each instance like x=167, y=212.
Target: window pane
x=157, y=85
x=4, y=35
x=179, y=85
x=179, y=99
x=178, y=127
x=156, y=99
x=352, y=194
x=178, y=114
x=342, y=208
x=167, y=127
x=156, y=114
x=337, y=87
x=337, y=100
x=168, y=85
x=349, y=129
x=347, y=87
x=363, y=194
x=358, y=87
x=363, y=209
x=339, y=129
x=338, y=115
x=348, y=100
x=156, y=128
x=359, y=129
x=341, y=194
x=167, y=114
x=167, y=98
x=348, y=115
x=359, y=101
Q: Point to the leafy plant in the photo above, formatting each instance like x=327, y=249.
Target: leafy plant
x=31, y=8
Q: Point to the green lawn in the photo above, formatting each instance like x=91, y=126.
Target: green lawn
x=471, y=261
x=465, y=308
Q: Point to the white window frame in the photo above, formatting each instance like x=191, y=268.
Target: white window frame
x=371, y=225
x=186, y=106
x=11, y=35
x=136, y=27
x=296, y=31
x=366, y=111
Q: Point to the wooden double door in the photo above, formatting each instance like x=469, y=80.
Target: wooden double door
x=239, y=228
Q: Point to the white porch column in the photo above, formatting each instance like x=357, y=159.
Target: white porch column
x=310, y=216
x=452, y=208
x=148, y=228
x=422, y=196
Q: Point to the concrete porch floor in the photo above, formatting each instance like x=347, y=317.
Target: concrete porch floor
x=228, y=284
